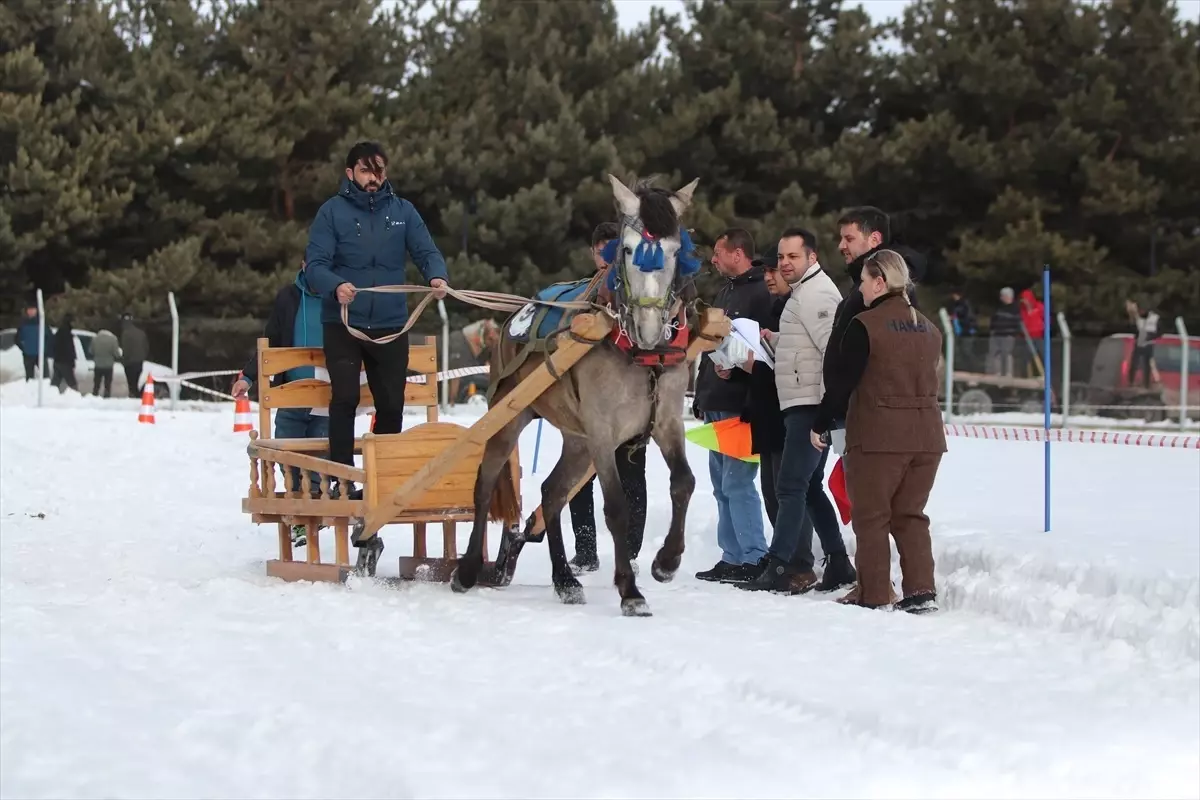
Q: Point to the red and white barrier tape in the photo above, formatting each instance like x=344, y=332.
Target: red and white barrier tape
x=1074, y=435
x=461, y=372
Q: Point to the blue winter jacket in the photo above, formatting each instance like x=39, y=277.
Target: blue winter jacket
x=27, y=337
x=364, y=238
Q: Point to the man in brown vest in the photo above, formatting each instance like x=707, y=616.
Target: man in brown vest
x=887, y=384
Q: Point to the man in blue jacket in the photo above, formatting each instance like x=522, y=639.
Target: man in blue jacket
x=27, y=341
x=361, y=238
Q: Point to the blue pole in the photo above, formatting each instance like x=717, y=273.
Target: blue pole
x=537, y=446
x=1046, y=387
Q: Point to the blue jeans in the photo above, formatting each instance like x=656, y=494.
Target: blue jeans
x=802, y=497
x=300, y=423
x=739, y=509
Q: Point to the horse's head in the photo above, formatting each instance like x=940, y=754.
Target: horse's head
x=652, y=259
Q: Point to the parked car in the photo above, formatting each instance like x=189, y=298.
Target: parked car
x=1109, y=383
x=12, y=366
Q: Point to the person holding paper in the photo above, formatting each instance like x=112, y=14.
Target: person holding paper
x=721, y=394
x=804, y=329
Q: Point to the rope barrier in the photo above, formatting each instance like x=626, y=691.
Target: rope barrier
x=1176, y=441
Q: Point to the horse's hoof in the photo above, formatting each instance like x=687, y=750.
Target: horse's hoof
x=571, y=595
x=635, y=607
x=662, y=575
x=456, y=584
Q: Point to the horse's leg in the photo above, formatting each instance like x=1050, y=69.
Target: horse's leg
x=669, y=436
x=569, y=470
x=494, y=461
x=616, y=515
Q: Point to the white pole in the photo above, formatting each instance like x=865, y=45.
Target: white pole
x=1065, y=330
x=1185, y=353
x=948, y=329
x=445, y=382
x=174, y=346
x=41, y=376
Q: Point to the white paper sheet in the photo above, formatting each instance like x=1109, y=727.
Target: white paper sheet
x=749, y=332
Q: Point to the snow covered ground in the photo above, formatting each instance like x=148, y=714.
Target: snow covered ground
x=143, y=653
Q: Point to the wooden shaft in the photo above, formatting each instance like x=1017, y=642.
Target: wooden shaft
x=588, y=329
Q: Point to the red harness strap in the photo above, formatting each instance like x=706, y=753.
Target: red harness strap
x=668, y=355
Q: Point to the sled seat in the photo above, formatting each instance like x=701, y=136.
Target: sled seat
x=388, y=461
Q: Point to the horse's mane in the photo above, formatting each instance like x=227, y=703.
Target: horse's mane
x=655, y=209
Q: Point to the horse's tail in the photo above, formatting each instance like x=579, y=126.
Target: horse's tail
x=506, y=497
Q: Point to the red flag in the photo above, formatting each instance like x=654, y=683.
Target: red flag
x=837, y=487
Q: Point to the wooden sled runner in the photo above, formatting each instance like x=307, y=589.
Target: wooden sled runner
x=424, y=475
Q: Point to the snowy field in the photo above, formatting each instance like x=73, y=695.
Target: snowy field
x=143, y=653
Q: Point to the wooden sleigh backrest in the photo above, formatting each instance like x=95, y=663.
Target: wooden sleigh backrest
x=314, y=393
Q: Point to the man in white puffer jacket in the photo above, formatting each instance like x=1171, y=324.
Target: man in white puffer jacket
x=800, y=345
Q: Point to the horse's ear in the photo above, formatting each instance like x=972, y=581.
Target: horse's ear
x=627, y=201
x=683, y=198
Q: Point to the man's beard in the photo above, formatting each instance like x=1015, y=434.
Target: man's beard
x=372, y=186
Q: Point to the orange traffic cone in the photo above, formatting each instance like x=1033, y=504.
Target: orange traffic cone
x=147, y=414
x=242, y=419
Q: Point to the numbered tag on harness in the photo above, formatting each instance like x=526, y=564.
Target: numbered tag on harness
x=519, y=328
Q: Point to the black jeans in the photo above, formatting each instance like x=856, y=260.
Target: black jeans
x=803, y=504
x=103, y=375
x=768, y=476
x=631, y=465
x=30, y=367
x=64, y=373
x=133, y=378
x=1141, y=359
x=387, y=375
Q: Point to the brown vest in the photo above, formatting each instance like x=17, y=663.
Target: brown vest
x=894, y=408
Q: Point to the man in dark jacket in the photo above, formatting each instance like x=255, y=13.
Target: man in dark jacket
x=135, y=349
x=721, y=394
x=361, y=238
x=64, y=356
x=295, y=321
x=861, y=232
x=27, y=341
x=1003, y=332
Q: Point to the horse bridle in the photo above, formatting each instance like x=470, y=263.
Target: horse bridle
x=668, y=303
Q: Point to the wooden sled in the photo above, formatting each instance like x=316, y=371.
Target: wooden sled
x=424, y=474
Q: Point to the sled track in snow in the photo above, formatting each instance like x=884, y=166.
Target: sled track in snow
x=1159, y=616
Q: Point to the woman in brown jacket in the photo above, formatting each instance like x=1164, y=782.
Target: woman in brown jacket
x=886, y=386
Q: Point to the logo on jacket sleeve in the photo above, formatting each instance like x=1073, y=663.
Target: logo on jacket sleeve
x=823, y=314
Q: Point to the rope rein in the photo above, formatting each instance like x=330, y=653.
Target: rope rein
x=493, y=301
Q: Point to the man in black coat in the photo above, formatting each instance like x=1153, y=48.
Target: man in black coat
x=861, y=232
x=721, y=394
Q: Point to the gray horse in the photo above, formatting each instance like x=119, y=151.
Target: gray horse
x=607, y=399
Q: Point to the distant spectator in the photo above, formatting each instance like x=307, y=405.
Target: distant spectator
x=106, y=350
x=1034, y=322
x=64, y=356
x=1143, y=346
x=961, y=314
x=1003, y=332
x=135, y=349
x=27, y=341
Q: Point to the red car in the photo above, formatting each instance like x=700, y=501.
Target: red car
x=1111, y=365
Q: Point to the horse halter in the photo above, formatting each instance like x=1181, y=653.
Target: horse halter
x=647, y=257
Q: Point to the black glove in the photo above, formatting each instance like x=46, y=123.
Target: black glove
x=746, y=414
x=696, y=412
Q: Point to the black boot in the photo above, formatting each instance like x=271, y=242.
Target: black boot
x=923, y=603
x=780, y=577
x=838, y=572
x=720, y=571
